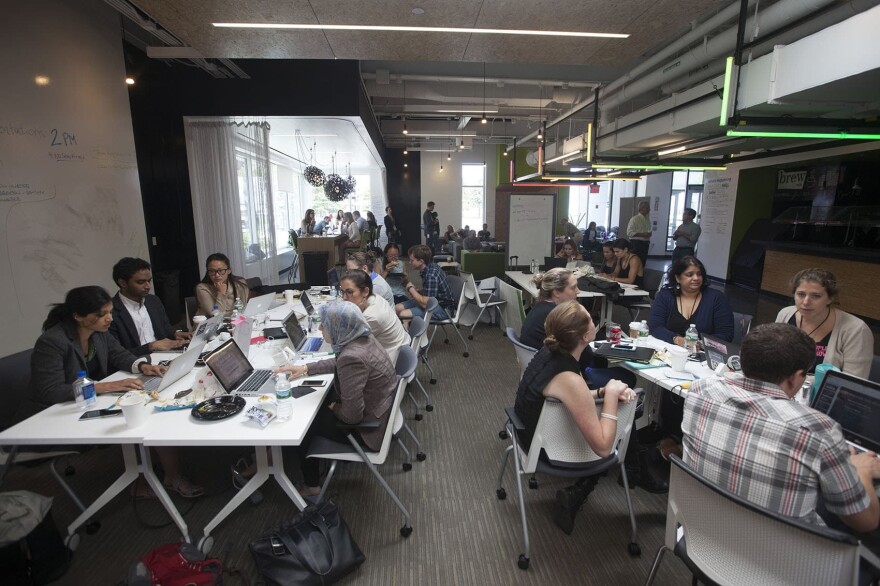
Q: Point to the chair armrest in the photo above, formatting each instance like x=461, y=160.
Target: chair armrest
x=514, y=419
x=365, y=424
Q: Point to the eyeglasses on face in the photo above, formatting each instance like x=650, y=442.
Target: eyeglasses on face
x=348, y=292
x=218, y=271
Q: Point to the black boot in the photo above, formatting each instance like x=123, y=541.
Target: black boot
x=638, y=471
x=569, y=501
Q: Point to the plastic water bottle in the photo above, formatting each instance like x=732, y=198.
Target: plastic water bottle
x=237, y=308
x=644, y=332
x=283, y=397
x=690, y=339
x=216, y=311
x=84, y=390
x=533, y=267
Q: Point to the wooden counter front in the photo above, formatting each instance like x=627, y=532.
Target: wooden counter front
x=319, y=243
x=857, y=281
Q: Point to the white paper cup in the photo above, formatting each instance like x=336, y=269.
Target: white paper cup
x=288, y=295
x=134, y=409
x=678, y=357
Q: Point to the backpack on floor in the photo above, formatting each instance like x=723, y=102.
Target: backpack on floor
x=31, y=548
x=176, y=564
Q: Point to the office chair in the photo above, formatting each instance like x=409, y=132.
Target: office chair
x=484, y=301
x=326, y=449
x=567, y=455
x=524, y=354
x=727, y=540
x=456, y=284
x=407, y=361
x=418, y=329
x=742, y=323
x=424, y=344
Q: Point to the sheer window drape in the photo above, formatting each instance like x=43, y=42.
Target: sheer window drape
x=231, y=193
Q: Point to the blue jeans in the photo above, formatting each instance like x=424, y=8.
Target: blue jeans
x=414, y=308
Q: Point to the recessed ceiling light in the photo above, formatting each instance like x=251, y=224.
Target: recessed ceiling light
x=41, y=80
x=129, y=80
x=418, y=10
x=418, y=29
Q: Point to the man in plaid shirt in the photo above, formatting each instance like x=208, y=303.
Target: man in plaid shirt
x=434, y=284
x=748, y=436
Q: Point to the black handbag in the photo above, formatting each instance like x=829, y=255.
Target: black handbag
x=314, y=548
x=611, y=289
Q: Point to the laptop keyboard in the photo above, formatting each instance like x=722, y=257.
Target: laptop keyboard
x=152, y=383
x=312, y=344
x=252, y=385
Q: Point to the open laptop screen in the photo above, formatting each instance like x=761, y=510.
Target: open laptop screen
x=229, y=365
x=854, y=403
x=718, y=351
x=552, y=262
x=307, y=303
x=295, y=333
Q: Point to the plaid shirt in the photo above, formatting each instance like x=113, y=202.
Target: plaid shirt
x=749, y=438
x=434, y=284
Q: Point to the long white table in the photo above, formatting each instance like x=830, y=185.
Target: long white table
x=524, y=282
x=60, y=425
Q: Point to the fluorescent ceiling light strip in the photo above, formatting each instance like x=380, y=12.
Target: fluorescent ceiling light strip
x=589, y=157
x=677, y=149
x=417, y=29
x=832, y=135
x=467, y=111
x=444, y=134
x=725, y=94
x=670, y=167
x=562, y=156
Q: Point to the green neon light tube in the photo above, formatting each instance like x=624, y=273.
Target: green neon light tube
x=833, y=135
x=725, y=95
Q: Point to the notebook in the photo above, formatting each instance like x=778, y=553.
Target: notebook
x=236, y=374
x=552, y=262
x=854, y=403
x=637, y=354
x=179, y=367
x=302, y=343
x=258, y=305
x=720, y=352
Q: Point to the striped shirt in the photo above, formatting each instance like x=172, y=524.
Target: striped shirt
x=749, y=438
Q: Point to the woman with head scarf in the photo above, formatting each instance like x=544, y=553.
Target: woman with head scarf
x=364, y=387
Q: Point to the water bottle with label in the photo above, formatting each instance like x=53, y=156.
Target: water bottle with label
x=238, y=308
x=283, y=398
x=644, y=332
x=691, y=336
x=84, y=390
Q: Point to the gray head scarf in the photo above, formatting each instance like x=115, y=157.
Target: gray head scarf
x=343, y=322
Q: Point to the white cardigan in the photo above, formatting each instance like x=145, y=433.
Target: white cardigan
x=851, y=348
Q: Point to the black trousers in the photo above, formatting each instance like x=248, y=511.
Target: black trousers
x=640, y=249
x=681, y=252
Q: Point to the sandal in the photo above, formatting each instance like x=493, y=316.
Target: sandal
x=669, y=446
x=185, y=488
x=141, y=491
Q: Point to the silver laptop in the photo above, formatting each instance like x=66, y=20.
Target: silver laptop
x=178, y=368
x=242, y=335
x=258, y=305
x=302, y=343
x=236, y=374
x=207, y=330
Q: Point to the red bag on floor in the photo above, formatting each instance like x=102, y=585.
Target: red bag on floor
x=176, y=564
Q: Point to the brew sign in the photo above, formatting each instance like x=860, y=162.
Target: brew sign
x=791, y=179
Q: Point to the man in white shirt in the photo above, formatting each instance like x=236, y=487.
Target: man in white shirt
x=686, y=235
x=139, y=320
x=638, y=231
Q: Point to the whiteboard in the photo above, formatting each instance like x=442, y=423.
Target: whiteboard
x=70, y=202
x=716, y=221
x=531, y=227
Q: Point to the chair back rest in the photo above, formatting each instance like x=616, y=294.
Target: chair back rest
x=456, y=285
x=653, y=281
x=394, y=424
x=431, y=308
x=524, y=354
x=742, y=322
x=561, y=439
x=191, y=305
x=874, y=375
x=254, y=282
x=15, y=371
x=469, y=287
x=736, y=542
x=406, y=362
x=418, y=329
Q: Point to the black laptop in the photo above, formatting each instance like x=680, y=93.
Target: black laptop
x=554, y=262
x=307, y=303
x=616, y=352
x=236, y=374
x=854, y=403
x=720, y=352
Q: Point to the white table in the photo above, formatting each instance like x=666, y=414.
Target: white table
x=524, y=282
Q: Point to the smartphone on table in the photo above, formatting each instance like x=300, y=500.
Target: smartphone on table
x=99, y=413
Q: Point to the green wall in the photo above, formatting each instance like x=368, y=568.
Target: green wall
x=522, y=168
x=754, y=201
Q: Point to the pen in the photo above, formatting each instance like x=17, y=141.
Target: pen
x=320, y=354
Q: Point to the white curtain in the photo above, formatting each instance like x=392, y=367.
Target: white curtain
x=225, y=208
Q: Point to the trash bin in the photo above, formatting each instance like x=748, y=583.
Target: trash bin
x=315, y=266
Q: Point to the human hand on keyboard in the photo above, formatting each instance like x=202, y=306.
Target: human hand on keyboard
x=123, y=385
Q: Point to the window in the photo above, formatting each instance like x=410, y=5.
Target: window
x=687, y=192
x=288, y=209
x=473, y=196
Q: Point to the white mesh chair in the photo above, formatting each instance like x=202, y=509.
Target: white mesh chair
x=456, y=283
x=407, y=361
x=422, y=348
x=730, y=541
x=524, y=354
x=326, y=449
x=567, y=455
x=482, y=299
x=418, y=332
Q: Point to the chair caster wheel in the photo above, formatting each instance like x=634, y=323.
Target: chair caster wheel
x=206, y=544
x=256, y=497
x=69, y=470
x=465, y=354
x=429, y=407
x=407, y=466
x=503, y=435
x=406, y=531
x=523, y=562
x=93, y=527
x=533, y=483
x=421, y=456
x=418, y=417
x=501, y=494
x=471, y=337
x=634, y=549
x=72, y=541
x=433, y=381
x=445, y=341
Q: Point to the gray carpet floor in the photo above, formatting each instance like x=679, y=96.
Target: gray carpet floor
x=462, y=533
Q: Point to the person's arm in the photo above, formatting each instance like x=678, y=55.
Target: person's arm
x=868, y=468
x=352, y=375
x=572, y=390
x=48, y=374
x=205, y=299
x=635, y=264
x=659, y=316
x=421, y=299
x=722, y=317
x=855, y=347
x=846, y=482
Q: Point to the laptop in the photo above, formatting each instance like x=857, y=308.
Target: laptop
x=303, y=343
x=281, y=333
x=614, y=352
x=258, y=305
x=720, y=352
x=207, y=330
x=179, y=367
x=552, y=262
x=307, y=303
x=854, y=403
x=236, y=374
x=242, y=335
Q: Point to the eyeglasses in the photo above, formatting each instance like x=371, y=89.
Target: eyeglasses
x=218, y=271
x=348, y=292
